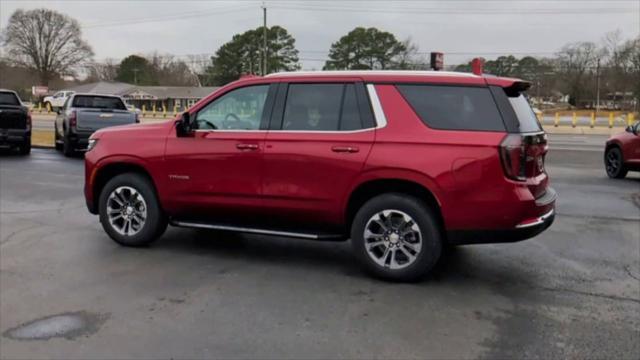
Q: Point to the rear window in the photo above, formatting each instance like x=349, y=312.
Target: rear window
x=98, y=102
x=526, y=117
x=454, y=107
x=9, y=98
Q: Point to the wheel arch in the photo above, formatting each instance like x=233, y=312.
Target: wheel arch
x=112, y=169
x=374, y=187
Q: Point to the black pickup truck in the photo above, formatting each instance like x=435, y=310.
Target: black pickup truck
x=15, y=122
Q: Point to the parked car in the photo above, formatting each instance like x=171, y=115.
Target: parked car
x=622, y=152
x=15, y=122
x=82, y=114
x=402, y=163
x=56, y=100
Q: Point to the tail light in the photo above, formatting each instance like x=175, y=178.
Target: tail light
x=73, y=119
x=523, y=155
x=28, y=124
x=513, y=155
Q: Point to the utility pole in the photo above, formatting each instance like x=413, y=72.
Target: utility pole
x=598, y=86
x=135, y=76
x=264, y=39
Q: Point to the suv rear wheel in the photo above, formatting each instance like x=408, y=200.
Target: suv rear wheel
x=130, y=212
x=396, y=237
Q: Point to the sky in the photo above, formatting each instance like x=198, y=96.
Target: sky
x=462, y=29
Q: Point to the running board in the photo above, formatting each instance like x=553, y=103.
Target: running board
x=309, y=236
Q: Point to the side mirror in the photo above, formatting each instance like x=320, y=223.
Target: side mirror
x=184, y=125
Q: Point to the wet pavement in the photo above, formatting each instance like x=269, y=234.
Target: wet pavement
x=68, y=291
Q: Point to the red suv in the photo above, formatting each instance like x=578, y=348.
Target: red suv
x=622, y=152
x=402, y=163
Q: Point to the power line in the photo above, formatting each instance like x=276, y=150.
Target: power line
x=171, y=17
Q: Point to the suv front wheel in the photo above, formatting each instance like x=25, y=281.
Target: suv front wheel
x=130, y=212
x=396, y=237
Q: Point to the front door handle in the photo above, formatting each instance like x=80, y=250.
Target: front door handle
x=247, y=146
x=345, y=149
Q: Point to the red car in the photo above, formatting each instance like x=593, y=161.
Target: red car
x=622, y=152
x=402, y=163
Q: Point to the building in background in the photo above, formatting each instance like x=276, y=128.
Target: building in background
x=179, y=98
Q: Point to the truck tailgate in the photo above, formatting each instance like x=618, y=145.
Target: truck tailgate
x=95, y=119
x=12, y=117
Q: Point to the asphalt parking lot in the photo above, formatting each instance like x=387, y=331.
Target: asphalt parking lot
x=573, y=291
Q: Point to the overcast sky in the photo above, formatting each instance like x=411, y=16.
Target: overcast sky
x=460, y=29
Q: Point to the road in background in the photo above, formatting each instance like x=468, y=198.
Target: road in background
x=572, y=292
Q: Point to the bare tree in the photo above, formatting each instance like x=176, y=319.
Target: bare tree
x=575, y=61
x=103, y=71
x=46, y=42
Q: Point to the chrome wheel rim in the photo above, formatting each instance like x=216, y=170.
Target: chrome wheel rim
x=126, y=210
x=392, y=239
x=613, y=162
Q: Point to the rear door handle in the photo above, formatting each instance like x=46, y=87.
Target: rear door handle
x=247, y=146
x=345, y=149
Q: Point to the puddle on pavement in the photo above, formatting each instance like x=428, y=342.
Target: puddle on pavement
x=67, y=325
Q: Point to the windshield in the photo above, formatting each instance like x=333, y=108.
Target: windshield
x=527, y=118
x=9, y=98
x=98, y=102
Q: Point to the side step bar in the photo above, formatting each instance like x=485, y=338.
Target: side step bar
x=309, y=236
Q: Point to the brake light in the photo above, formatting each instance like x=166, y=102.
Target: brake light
x=73, y=119
x=513, y=154
x=28, y=125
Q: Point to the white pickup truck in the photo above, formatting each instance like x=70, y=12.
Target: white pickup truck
x=83, y=114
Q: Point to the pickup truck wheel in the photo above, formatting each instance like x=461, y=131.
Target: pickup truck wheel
x=396, y=237
x=25, y=147
x=614, y=164
x=67, y=147
x=130, y=212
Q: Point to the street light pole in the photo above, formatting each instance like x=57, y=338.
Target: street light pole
x=264, y=39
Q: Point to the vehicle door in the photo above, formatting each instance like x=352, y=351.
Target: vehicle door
x=216, y=171
x=319, y=138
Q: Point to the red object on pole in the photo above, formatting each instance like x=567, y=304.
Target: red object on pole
x=477, y=64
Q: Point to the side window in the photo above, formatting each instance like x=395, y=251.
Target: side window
x=240, y=109
x=321, y=107
x=454, y=107
x=66, y=103
x=57, y=95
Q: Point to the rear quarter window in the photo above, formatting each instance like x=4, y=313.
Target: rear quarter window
x=9, y=98
x=526, y=117
x=454, y=107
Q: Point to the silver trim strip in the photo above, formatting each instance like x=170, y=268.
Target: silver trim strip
x=378, y=113
x=540, y=221
x=245, y=230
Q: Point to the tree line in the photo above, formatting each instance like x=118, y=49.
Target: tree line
x=46, y=45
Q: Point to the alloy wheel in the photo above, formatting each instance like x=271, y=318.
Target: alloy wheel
x=392, y=239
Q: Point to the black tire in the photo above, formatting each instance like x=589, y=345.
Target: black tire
x=428, y=226
x=155, y=223
x=614, y=163
x=25, y=147
x=57, y=142
x=67, y=147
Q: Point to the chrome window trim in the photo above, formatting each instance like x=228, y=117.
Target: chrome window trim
x=378, y=112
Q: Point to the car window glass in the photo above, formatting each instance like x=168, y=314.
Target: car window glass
x=240, y=109
x=350, y=117
x=321, y=107
x=98, y=102
x=8, y=98
x=454, y=107
x=66, y=103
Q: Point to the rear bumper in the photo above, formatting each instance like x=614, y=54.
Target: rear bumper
x=526, y=229
x=9, y=137
x=80, y=139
